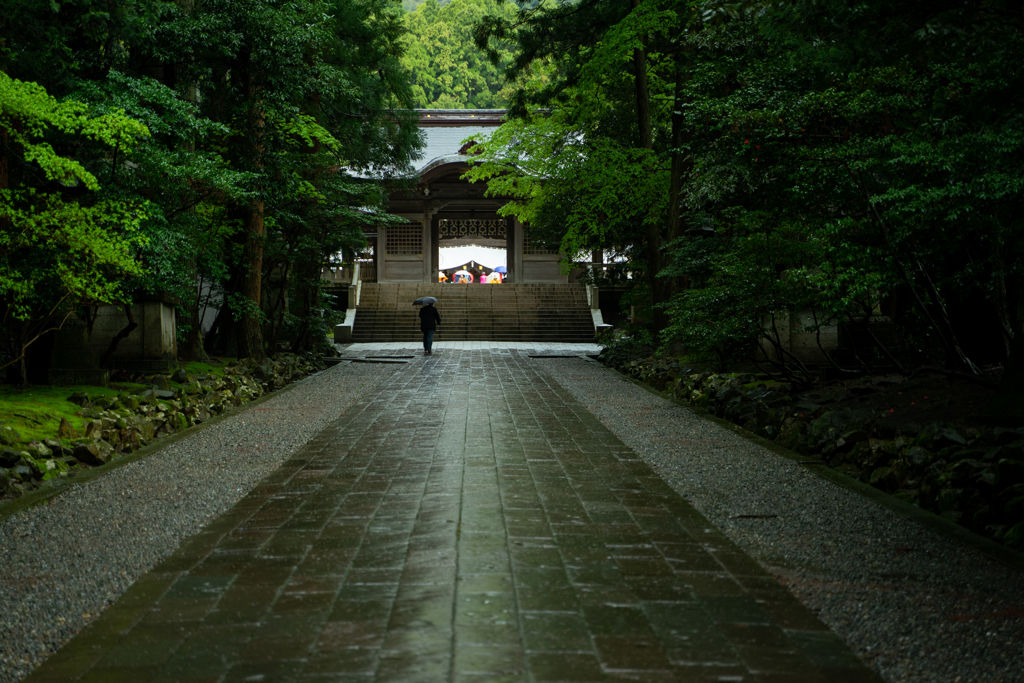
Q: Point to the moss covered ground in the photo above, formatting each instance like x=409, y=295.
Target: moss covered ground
x=215, y=367
x=36, y=412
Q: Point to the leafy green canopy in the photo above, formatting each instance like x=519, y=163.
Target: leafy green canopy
x=57, y=254
x=891, y=141
x=446, y=69
x=28, y=113
x=572, y=156
x=856, y=160
x=577, y=192
x=271, y=128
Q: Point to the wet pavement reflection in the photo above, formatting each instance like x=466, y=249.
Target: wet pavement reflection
x=466, y=520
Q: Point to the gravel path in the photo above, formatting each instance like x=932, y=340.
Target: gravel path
x=912, y=604
x=63, y=562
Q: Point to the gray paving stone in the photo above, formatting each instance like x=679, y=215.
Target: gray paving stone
x=464, y=521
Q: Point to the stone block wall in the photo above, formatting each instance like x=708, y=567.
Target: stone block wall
x=150, y=347
x=804, y=344
x=795, y=338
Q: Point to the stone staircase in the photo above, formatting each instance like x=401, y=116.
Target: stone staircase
x=476, y=312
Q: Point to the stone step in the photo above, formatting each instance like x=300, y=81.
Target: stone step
x=494, y=313
x=561, y=338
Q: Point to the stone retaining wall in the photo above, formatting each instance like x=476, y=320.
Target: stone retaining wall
x=128, y=422
x=974, y=477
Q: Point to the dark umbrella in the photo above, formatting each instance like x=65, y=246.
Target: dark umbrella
x=425, y=300
x=501, y=269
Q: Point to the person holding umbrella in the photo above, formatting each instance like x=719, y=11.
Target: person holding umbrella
x=429, y=320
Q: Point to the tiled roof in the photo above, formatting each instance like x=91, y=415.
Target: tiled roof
x=445, y=129
x=446, y=141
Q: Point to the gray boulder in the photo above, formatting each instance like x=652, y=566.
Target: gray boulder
x=146, y=430
x=22, y=473
x=38, y=450
x=93, y=453
x=94, y=430
x=65, y=430
x=86, y=452
x=9, y=458
x=151, y=396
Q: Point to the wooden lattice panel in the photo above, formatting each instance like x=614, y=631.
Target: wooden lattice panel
x=404, y=239
x=472, y=227
x=529, y=248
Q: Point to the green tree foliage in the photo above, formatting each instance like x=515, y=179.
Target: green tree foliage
x=447, y=70
x=271, y=127
x=609, y=71
x=60, y=247
x=577, y=192
x=847, y=159
x=893, y=140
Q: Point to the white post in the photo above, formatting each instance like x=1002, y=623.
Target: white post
x=428, y=247
x=381, y=253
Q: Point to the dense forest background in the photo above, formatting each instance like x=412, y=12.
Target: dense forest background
x=756, y=168
x=853, y=163
x=748, y=160
x=446, y=68
x=208, y=151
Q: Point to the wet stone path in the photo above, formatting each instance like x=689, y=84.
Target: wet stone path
x=467, y=520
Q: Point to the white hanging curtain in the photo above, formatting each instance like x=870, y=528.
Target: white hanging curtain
x=456, y=257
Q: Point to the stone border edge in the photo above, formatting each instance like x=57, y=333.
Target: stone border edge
x=951, y=530
x=42, y=495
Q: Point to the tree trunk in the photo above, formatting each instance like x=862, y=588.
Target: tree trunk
x=643, y=113
x=193, y=347
x=643, y=100
x=250, y=332
x=277, y=312
x=944, y=326
x=680, y=170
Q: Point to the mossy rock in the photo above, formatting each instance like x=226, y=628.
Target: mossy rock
x=9, y=436
x=146, y=430
x=849, y=469
x=948, y=500
x=909, y=495
x=791, y=433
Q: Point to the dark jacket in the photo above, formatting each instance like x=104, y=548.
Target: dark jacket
x=429, y=318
